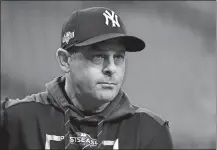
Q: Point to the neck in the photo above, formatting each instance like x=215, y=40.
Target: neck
x=83, y=103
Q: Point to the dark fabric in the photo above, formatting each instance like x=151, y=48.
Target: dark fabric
x=93, y=25
x=42, y=121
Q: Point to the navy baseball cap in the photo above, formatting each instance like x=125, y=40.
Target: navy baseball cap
x=97, y=24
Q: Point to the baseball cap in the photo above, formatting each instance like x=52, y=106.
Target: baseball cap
x=97, y=24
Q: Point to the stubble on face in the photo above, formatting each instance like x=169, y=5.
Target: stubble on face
x=97, y=71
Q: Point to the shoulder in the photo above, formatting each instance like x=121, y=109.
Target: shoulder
x=39, y=97
x=153, y=129
x=147, y=114
x=18, y=108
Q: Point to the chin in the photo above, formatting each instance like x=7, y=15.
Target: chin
x=106, y=95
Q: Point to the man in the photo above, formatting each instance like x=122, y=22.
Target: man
x=86, y=108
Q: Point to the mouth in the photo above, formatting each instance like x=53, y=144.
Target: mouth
x=107, y=83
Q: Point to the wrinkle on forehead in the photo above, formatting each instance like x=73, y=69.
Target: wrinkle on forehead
x=114, y=45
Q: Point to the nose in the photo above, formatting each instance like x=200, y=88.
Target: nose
x=109, y=67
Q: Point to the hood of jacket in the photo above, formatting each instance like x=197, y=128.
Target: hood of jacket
x=55, y=95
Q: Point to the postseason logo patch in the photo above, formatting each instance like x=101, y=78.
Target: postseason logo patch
x=67, y=36
x=84, y=140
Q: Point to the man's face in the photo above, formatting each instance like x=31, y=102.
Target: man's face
x=97, y=71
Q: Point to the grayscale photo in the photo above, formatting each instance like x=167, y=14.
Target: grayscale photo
x=108, y=75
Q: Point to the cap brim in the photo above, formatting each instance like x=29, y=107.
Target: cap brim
x=131, y=43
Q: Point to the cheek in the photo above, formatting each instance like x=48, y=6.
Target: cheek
x=85, y=77
x=120, y=73
x=92, y=74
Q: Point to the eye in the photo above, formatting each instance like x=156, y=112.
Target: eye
x=119, y=57
x=98, y=58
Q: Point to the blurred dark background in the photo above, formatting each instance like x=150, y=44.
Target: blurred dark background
x=174, y=76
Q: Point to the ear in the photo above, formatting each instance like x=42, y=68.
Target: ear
x=63, y=58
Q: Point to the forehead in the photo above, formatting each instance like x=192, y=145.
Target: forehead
x=114, y=45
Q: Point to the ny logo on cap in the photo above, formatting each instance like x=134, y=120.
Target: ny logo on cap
x=112, y=17
x=67, y=36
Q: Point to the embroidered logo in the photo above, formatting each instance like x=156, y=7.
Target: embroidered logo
x=112, y=17
x=84, y=140
x=67, y=36
x=115, y=143
x=50, y=138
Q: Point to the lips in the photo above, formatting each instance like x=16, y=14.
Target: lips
x=107, y=83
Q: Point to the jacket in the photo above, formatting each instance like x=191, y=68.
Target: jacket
x=48, y=120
